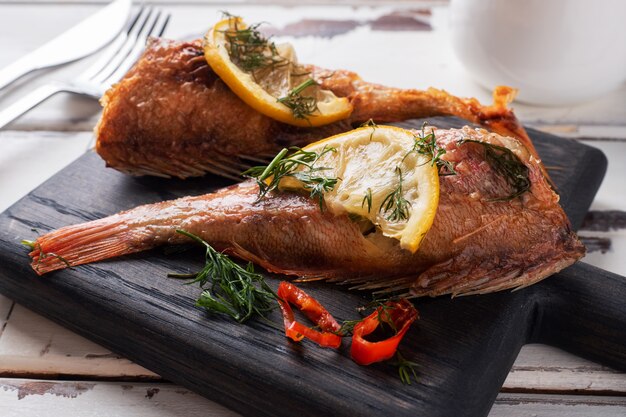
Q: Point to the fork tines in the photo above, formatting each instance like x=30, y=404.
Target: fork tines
x=127, y=47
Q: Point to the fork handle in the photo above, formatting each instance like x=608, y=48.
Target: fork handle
x=16, y=70
x=27, y=102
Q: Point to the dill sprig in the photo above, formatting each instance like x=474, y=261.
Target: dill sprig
x=253, y=52
x=282, y=166
x=384, y=316
x=301, y=106
x=426, y=144
x=372, y=124
x=507, y=164
x=395, y=204
x=347, y=326
x=32, y=245
x=249, y=49
x=406, y=368
x=367, y=199
x=228, y=288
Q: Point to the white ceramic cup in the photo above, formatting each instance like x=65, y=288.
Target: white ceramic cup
x=553, y=51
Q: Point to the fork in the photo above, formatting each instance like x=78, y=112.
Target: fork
x=108, y=69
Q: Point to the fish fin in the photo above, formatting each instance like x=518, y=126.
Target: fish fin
x=303, y=274
x=386, y=285
x=463, y=275
x=80, y=244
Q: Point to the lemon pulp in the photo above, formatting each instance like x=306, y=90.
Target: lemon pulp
x=371, y=164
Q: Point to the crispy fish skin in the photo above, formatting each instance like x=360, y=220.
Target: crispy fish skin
x=171, y=115
x=476, y=244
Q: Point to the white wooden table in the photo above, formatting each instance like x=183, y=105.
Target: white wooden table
x=46, y=370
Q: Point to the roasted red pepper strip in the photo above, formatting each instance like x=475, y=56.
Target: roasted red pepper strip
x=399, y=315
x=328, y=337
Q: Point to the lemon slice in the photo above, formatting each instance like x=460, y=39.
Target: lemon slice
x=261, y=74
x=379, y=178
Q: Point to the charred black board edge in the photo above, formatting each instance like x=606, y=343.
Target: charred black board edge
x=583, y=312
x=576, y=204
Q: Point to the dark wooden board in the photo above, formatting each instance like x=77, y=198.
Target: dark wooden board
x=465, y=346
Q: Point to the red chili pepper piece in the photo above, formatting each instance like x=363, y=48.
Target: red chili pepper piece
x=328, y=337
x=399, y=315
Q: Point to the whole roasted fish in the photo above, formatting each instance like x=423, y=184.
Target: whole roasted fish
x=479, y=241
x=171, y=115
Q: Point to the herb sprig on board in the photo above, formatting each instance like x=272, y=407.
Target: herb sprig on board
x=283, y=166
x=242, y=294
x=406, y=369
x=228, y=288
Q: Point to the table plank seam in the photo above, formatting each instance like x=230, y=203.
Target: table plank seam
x=572, y=392
x=6, y=319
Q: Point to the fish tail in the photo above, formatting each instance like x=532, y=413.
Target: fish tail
x=384, y=104
x=81, y=244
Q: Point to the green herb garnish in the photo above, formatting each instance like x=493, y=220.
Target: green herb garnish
x=347, y=326
x=249, y=49
x=283, y=166
x=32, y=245
x=507, y=164
x=406, y=368
x=395, y=204
x=301, y=106
x=426, y=144
x=367, y=199
x=228, y=288
x=372, y=124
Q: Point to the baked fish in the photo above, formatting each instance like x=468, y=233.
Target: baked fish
x=479, y=241
x=171, y=115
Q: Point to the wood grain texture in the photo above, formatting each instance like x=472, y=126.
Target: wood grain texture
x=6, y=307
x=465, y=346
x=536, y=405
x=34, y=347
x=48, y=398
x=542, y=369
x=584, y=312
x=31, y=346
x=26, y=23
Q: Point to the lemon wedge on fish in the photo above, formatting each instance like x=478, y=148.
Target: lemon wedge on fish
x=383, y=174
x=268, y=77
